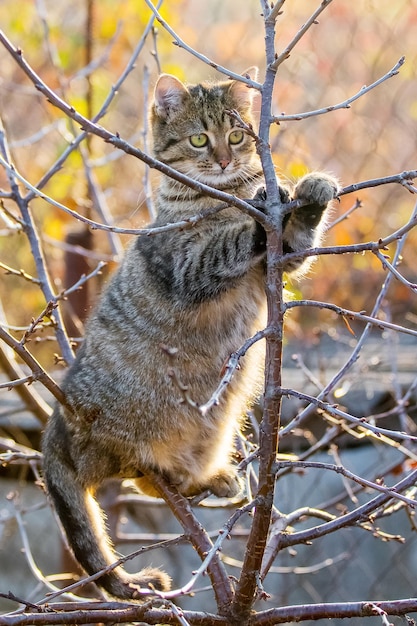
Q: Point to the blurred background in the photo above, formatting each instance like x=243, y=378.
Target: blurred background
x=80, y=49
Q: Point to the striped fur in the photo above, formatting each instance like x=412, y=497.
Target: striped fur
x=199, y=291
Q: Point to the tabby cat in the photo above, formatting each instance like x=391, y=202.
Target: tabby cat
x=199, y=291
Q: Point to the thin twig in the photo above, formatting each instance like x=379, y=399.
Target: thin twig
x=357, y=205
x=341, y=105
x=145, y=139
x=47, y=312
x=31, y=232
x=115, y=140
x=387, y=265
x=27, y=550
x=81, y=282
x=31, y=399
x=340, y=469
x=275, y=11
x=104, y=108
x=361, y=422
x=21, y=273
x=347, y=519
x=350, y=315
x=179, y=42
x=305, y=27
x=229, y=370
x=38, y=371
x=355, y=353
x=180, y=507
x=223, y=534
x=18, y=381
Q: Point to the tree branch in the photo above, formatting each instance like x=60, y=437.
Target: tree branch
x=181, y=44
x=348, y=519
x=280, y=58
x=181, y=509
x=115, y=140
x=347, y=313
x=30, y=230
x=342, y=105
x=335, y=610
x=249, y=581
x=37, y=370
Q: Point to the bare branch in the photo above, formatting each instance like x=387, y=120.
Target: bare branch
x=117, y=142
x=335, y=610
x=346, y=313
x=15, y=383
x=104, y=108
x=183, y=512
x=30, y=397
x=361, y=422
x=27, y=550
x=347, y=519
x=31, y=232
x=229, y=369
x=387, y=265
x=275, y=10
x=342, y=105
x=83, y=279
x=145, y=139
x=37, y=370
x=279, y=59
x=357, y=205
x=355, y=353
x=21, y=273
x=249, y=584
x=339, y=469
x=403, y=178
x=179, y=42
x=212, y=553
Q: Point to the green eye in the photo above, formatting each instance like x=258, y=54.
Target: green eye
x=199, y=141
x=235, y=137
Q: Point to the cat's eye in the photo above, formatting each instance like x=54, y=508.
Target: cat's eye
x=235, y=137
x=199, y=141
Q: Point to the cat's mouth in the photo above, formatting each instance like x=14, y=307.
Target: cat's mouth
x=220, y=178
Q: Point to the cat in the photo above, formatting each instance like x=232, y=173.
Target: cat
x=198, y=291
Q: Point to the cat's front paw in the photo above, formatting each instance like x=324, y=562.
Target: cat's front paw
x=225, y=484
x=260, y=194
x=316, y=189
x=284, y=194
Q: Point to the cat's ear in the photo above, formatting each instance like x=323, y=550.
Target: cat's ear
x=169, y=95
x=252, y=73
x=241, y=93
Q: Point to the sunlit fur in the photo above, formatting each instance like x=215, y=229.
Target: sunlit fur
x=197, y=291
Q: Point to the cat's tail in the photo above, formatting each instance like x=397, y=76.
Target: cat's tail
x=83, y=522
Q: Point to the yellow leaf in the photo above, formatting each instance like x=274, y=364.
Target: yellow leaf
x=297, y=169
x=54, y=228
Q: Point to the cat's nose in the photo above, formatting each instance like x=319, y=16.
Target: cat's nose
x=224, y=163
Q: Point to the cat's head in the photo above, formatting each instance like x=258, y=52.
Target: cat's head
x=194, y=133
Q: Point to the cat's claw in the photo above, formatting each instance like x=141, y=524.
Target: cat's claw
x=284, y=194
